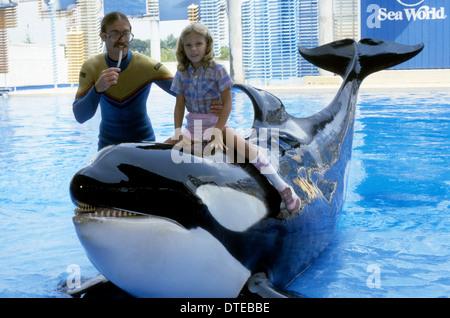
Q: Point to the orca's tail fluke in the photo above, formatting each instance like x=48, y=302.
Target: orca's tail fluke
x=364, y=58
x=335, y=57
x=376, y=55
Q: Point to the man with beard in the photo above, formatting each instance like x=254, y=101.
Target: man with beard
x=120, y=81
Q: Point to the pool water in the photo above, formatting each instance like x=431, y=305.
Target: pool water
x=392, y=239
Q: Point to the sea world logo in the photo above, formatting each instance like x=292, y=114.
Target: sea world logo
x=410, y=12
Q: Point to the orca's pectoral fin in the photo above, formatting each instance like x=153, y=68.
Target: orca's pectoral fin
x=97, y=287
x=78, y=291
x=258, y=286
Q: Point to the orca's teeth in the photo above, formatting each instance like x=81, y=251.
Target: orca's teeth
x=83, y=208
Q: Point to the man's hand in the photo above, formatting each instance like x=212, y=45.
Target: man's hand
x=216, y=107
x=108, y=78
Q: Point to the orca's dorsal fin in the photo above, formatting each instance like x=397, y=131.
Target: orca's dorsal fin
x=365, y=57
x=268, y=108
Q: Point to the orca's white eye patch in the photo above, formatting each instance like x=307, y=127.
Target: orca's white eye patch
x=234, y=210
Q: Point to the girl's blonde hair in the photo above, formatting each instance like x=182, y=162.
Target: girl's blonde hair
x=208, y=59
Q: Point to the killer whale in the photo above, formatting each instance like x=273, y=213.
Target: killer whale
x=157, y=228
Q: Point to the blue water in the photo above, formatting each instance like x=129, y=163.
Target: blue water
x=393, y=236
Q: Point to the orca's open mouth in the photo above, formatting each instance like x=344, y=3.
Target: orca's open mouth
x=87, y=210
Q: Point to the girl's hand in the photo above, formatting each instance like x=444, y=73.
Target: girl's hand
x=185, y=141
x=180, y=139
x=217, y=140
x=177, y=135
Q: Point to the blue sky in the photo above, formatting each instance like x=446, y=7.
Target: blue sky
x=168, y=9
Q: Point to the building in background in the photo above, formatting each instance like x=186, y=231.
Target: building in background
x=193, y=15
x=213, y=14
x=152, y=14
x=83, y=19
x=90, y=13
x=8, y=19
x=344, y=15
x=272, y=30
x=75, y=51
x=272, y=33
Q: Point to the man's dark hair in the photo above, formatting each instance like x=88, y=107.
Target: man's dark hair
x=111, y=18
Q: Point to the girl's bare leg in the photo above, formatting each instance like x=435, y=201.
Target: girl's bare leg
x=245, y=149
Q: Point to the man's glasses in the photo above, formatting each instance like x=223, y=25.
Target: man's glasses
x=115, y=36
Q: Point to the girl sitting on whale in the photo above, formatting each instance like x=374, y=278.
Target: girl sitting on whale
x=198, y=82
